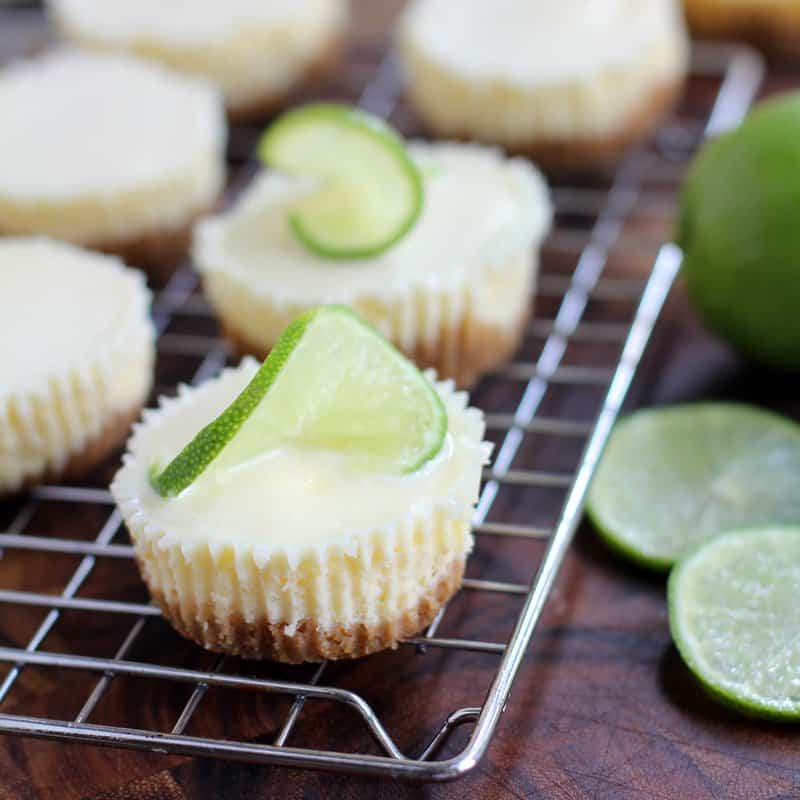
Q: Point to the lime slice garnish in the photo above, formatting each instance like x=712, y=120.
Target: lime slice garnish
x=671, y=478
x=733, y=612
x=331, y=382
x=370, y=191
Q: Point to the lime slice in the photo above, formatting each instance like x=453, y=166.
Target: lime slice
x=370, y=192
x=671, y=478
x=733, y=612
x=331, y=382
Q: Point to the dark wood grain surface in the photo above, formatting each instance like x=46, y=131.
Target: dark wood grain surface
x=602, y=707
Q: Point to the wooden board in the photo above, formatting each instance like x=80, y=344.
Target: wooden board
x=602, y=707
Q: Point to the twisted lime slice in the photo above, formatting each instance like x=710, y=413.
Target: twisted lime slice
x=734, y=616
x=672, y=478
x=370, y=191
x=331, y=382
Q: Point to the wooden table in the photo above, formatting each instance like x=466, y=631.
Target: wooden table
x=602, y=707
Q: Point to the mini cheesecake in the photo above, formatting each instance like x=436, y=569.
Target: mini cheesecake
x=296, y=555
x=454, y=294
x=257, y=51
x=571, y=84
x=77, y=353
x=772, y=25
x=110, y=153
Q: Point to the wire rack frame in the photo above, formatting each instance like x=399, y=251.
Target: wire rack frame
x=740, y=72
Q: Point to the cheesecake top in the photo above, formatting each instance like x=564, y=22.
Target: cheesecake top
x=537, y=41
x=188, y=23
x=78, y=124
x=61, y=307
x=479, y=210
x=291, y=498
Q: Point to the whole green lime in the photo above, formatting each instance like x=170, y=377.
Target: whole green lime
x=739, y=228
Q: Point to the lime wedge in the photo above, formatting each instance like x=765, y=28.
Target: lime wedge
x=370, y=191
x=733, y=612
x=331, y=382
x=672, y=478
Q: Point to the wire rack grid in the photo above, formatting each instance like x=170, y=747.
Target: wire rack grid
x=737, y=74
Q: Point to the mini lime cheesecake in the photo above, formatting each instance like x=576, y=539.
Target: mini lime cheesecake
x=256, y=51
x=315, y=507
x=571, y=84
x=108, y=152
x=435, y=244
x=77, y=350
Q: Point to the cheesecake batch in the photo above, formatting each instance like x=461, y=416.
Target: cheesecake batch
x=314, y=499
x=324, y=327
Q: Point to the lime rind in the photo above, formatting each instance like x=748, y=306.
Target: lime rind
x=358, y=212
x=719, y=687
x=308, y=392
x=615, y=524
x=193, y=460
x=345, y=388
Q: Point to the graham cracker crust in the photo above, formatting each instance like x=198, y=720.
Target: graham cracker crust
x=464, y=353
x=770, y=26
x=268, y=103
x=266, y=639
x=111, y=436
x=587, y=153
x=158, y=251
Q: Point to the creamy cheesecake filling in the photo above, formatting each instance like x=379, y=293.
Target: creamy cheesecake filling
x=453, y=294
x=497, y=298
x=290, y=499
x=99, y=147
x=61, y=307
x=480, y=213
x=539, y=42
x=520, y=116
x=530, y=71
x=297, y=534
x=249, y=48
x=77, y=352
x=113, y=216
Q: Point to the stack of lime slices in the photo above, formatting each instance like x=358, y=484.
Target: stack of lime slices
x=331, y=382
x=700, y=472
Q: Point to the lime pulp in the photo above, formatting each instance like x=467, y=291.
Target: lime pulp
x=733, y=613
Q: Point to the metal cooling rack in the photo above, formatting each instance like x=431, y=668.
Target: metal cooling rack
x=735, y=75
